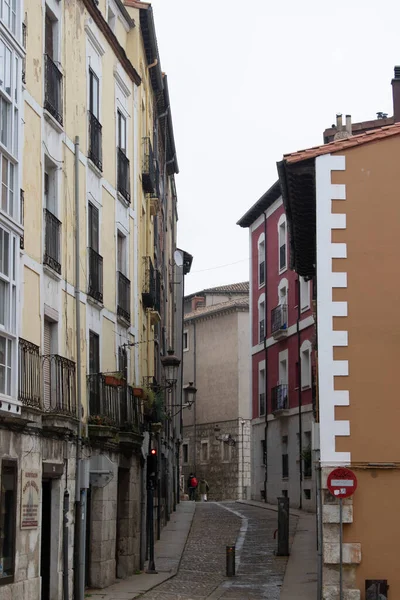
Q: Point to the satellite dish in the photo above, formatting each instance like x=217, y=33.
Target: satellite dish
x=178, y=258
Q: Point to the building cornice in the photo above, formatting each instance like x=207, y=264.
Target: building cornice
x=113, y=41
x=217, y=313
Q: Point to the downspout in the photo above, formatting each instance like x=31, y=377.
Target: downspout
x=79, y=548
x=299, y=395
x=180, y=415
x=266, y=358
x=194, y=406
x=65, y=544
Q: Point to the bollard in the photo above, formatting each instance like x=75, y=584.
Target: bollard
x=283, y=527
x=230, y=561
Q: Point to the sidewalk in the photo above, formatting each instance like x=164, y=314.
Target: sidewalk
x=300, y=582
x=167, y=553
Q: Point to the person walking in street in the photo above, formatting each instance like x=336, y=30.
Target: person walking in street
x=192, y=486
x=203, y=488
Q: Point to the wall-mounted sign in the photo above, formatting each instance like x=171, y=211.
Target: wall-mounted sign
x=30, y=496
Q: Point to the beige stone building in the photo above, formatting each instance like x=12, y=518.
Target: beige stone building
x=216, y=430
x=87, y=238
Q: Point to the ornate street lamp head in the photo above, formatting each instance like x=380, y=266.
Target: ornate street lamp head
x=190, y=394
x=170, y=364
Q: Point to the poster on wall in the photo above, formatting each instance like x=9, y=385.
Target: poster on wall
x=30, y=499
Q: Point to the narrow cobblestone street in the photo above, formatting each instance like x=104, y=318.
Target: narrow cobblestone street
x=201, y=574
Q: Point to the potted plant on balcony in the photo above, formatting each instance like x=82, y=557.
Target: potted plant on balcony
x=114, y=379
x=138, y=392
x=101, y=427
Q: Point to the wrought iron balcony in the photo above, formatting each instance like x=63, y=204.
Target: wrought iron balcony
x=157, y=304
x=282, y=257
x=53, y=89
x=279, y=398
x=149, y=284
x=124, y=297
x=29, y=374
x=261, y=330
x=52, y=254
x=113, y=405
x=59, y=385
x=279, y=321
x=95, y=141
x=95, y=287
x=124, y=186
x=148, y=167
x=261, y=273
x=262, y=404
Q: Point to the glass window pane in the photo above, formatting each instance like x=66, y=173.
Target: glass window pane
x=4, y=253
x=7, y=75
x=2, y=365
x=5, y=122
x=3, y=301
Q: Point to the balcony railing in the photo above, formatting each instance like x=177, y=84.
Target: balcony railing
x=22, y=217
x=29, y=374
x=262, y=404
x=279, y=322
x=95, y=141
x=157, y=304
x=124, y=186
x=95, y=287
x=261, y=273
x=149, y=284
x=24, y=46
x=53, y=89
x=59, y=385
x=115, y=406
x=52, y=255
x=282, y=257
x=279, y=398
x=148, y=167
x=261, y=331
x=124, y=297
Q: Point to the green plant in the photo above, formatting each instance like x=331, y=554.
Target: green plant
x=102, y=420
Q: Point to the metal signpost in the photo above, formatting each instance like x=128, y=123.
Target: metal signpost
x=342, y=483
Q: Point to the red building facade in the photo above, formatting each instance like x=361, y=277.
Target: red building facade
x=281, y=359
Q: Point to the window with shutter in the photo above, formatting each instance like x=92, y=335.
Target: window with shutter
x=93, y=228
x=49, y=44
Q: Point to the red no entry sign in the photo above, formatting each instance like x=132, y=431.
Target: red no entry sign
x=342, y=482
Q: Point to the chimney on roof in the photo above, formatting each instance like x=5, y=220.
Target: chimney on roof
x=396, y=94
x=348, y=125
x=342, y=132
x=198, y=302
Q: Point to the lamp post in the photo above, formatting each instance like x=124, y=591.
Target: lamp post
x=170, y=363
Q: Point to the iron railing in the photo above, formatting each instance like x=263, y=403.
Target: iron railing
x=53, y=89
x=261, y=273
x=279, y=318
x=279, y=397
x=148, y=167
x=29, y=374
x=157, y=304
x=95, y=287
x=262, y=404
x=261, y=331
x=59, y=385
x=113, y=405
x=52, y=254
x=24, y=31
x=124, y=297
x=149, y=284
x=124, y=186
x=282, y=256
x=95, y=141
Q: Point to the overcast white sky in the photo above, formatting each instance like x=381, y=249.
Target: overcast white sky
x=250, y=81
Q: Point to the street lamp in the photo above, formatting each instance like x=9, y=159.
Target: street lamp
x=189, y=392
x=170, y=364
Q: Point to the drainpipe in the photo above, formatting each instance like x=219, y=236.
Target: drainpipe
x=266, y=358
x=299, y=395
x=194, y=406
x=319, y=528
x=65, y=545
x=79, y=531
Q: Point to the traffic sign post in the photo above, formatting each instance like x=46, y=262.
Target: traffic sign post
x=342, y=483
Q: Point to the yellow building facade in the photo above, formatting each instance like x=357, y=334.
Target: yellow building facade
x=88, y=219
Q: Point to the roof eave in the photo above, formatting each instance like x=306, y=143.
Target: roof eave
x=151, y=47
x=260, y=206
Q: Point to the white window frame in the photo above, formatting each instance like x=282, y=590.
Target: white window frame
x=261, y=258
x=261, y=303
x=305, y=372
x=284, y=358
x=282, y=226
x=304, y=293
x=8, y=329
x=186, y=343
x=11, y=23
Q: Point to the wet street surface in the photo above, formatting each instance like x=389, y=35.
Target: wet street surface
x=201, y=575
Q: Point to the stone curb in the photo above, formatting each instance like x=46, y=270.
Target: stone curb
x=293, y=511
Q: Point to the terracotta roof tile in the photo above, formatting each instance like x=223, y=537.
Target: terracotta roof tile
x=338, y=145
x=232, y=288
x=239, y=303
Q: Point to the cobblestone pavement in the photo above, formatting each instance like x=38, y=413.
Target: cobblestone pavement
x=201, y=574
